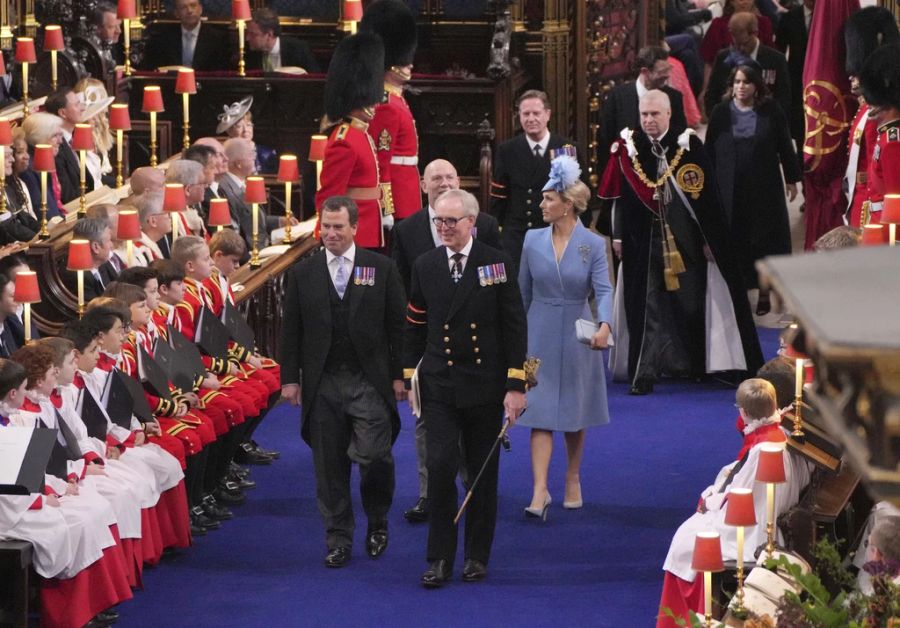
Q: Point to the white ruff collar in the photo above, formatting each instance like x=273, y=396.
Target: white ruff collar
x=754, y=425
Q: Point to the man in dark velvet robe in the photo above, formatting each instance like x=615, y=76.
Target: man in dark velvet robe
x=661, y=181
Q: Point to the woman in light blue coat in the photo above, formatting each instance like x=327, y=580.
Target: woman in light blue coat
x=562, y=266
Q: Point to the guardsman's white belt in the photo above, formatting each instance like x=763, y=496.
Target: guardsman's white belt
x=403, y=160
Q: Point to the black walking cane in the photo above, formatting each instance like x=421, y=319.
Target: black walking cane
x=531, y=367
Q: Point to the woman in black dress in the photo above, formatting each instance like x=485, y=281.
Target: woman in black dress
x=749, y=141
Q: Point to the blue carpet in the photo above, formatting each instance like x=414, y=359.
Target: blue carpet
x=598, y=566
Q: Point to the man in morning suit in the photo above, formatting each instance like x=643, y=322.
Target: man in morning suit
x=343, y=311
x=412, y=237
x=99, y=235
x=69, y=108
x=466, y=324
x=521, y=167
x=620, y=110
x=270, y=50
x=191, y=43
x=744, y=28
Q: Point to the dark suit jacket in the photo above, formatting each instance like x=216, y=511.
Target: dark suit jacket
x=293, y=52
x=775, y=75
x=242, y=213
x=14, y=335
x=791, y=37
x=68, y=172
x=32, y=181
x=376, y=327
x=92, y=287
x=620, y=110
x=412, y=237
x=470, y=338
x=212, y=52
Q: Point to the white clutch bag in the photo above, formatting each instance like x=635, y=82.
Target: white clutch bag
x=585, y=330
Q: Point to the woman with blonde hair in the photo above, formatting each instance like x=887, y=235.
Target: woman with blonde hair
x=562, y=266
x=97, y=101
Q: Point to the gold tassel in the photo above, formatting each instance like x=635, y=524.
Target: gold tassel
x=672, y=283
x=676, y=263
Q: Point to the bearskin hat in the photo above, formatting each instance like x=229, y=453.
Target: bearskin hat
x=864, y=31
x=396, y=24
x=355, y=75
x=879, y=77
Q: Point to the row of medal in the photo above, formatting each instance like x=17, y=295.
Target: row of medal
x=364, y=276
x=491, y=274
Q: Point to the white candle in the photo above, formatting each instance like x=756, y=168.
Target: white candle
x=28, y=322
x=129, y=246
x=175, y=218
x=82, y=158
x=707, y=594
x=255, y=223
x=798, y=392
x=185, y=104
x=740, y=547
x=53, y=68
x=80, y=292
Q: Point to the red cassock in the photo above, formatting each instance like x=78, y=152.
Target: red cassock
x=884, y=169
x=397, y=145
x=350, y=168
x=863, y=135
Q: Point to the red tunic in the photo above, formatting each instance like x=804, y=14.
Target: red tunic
x=863, y=136
x=393, y=130
x=884, y=169
x=350, y=168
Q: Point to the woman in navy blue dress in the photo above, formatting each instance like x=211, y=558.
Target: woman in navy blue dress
x=562, y=266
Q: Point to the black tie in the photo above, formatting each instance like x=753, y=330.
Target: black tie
x=537, y=151
x=456, y=271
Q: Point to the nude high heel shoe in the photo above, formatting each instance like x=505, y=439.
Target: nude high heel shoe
x=575, y=503
x=534, y=513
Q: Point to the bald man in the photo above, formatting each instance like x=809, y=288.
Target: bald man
x=744, y=29
x=417, y=235
x=665, y=201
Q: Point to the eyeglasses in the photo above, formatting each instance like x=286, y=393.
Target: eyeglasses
x=450, y=223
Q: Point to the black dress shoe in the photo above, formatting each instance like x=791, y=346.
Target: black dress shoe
x=641, y=387
x=247, y=455
x=238, y=470
x=377, y=539
x=110, y=616
x=229, y=495
x=213, y=510
x=474, y=570
x=198, y=516
x=437, y=575
x=242, y=483
x=419, y=512
x=196, y=528
x=338, y=557
x=275, y=455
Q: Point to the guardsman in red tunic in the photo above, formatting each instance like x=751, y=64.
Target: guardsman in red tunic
x=393, y=128
x=879, y=80
x=350, y=168
x=865, y=30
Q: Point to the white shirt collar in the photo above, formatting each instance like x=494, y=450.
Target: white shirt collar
x=755, y=50
x=276, y=49
x=543, y=143
x=641, y=89
x=349, y=255
x=195, y=32
x=67, y=135
x=465, y=250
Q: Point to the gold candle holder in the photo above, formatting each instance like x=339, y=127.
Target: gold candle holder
x=25, y=111
x=153, y=159
x=126, y=29
x=43, y=234
x=186, y=139
x=80, y=308
x=287, y=213
x=82, y=201
x=254, y=257
x=242, y=68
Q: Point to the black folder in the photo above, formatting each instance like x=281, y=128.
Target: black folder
x=152, y=375
x=211, y=335
x=58, y=464
x=35, y=464
x=237, y=327
x=119, y=403
x=168, y=360
x=93, y=416
x=72, y=447
x=188, y=355
x=139, y=405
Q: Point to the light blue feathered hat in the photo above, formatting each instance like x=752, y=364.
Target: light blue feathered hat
x=564, y=171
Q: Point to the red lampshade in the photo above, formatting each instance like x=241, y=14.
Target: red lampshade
x=707, y=552
x=25, y=50
x=255, y=191
x=739, y=510
x=79, y=255
x=219, y=213
x=288, y=169
x=353, y=10
x=119, y=119
x=890, y=214
x=153, y=100
x=874, y=235
x=129, y=225
x=186, y=83
x=173, y=198
x=43, y=159
x=317, y=147
x=83, y=137
x=126, y=10
x=27, y=290
x=240, y=9
x=771, y=464
x=5, y=129
x=53, y=38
